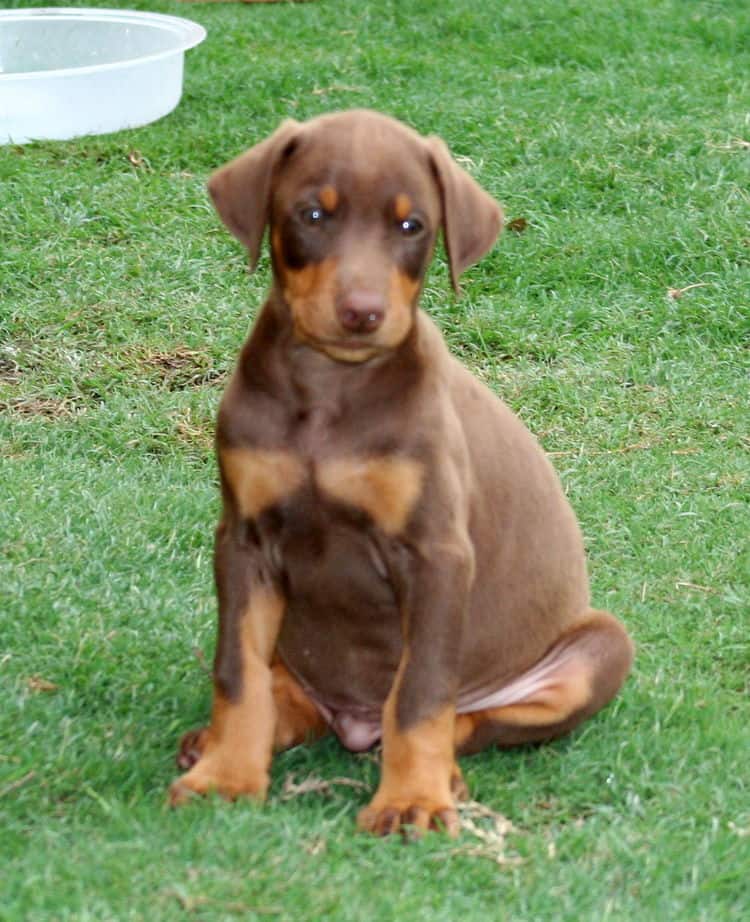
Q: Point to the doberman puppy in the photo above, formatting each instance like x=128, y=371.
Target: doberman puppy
x=395, y=559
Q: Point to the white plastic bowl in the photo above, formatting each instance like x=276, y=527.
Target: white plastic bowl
x=70, y=72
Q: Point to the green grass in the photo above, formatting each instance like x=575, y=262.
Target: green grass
x=619, y=132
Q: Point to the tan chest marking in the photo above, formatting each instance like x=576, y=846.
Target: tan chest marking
x=258, y=479
x=386, y=488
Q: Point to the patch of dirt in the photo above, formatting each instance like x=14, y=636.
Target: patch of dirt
x=48, y=407
x=183, y=368
x=192, y=431
x=10, y=371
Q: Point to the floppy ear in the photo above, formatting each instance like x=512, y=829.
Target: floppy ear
x=472, y=219
x=241, y=190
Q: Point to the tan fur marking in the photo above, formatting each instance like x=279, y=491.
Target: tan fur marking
x=386, y=488
x=549, y=706
x=421, y=760
x=258, y=479
x=260, y=626
x=402, y=206
x=276, y=241
x=352, y=356
x=545, y=708
x=313, y=281
x=310, y=292
x=329, y=198
x=465, y=725
x=403, y=293
x=417, y=773
x=297, y=718
x=238, y=743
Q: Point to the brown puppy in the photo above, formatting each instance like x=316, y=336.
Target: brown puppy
x=395, y=558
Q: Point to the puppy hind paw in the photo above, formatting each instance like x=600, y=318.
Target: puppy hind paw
x=207, y=778
x=190, y=748
x=459, y=788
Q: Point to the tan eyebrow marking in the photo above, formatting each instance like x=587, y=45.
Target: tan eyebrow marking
x=329, y=198
x=402, y=206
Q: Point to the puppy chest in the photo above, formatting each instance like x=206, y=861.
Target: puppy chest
x=384, y=489
x=329, y=532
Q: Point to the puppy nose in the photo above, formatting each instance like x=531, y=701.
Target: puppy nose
x=361, y=311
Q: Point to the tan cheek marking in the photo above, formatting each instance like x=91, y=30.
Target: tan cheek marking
x=402, y=206
x=299, y=285
x=314, y=280
x=404, y=289
x=258, y=478
x=329, y=198
x=311, y=293
x=386, y=488
x=402, y=294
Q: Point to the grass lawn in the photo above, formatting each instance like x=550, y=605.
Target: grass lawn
x=615, y=320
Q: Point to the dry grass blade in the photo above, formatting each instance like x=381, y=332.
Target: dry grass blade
x=38, y=684
x=734, y=144
x=684, y=584
x=624, y=449
x=182, y=367
x=49, y=407
x=201, y=657
x=490, y=831
x=14, y=785
x=313, y=785
x=136, y=159
x=336, y=88
x=195, y=904
x=517, y=225
x=676, y=293
x=191, y=431
x=10, y=372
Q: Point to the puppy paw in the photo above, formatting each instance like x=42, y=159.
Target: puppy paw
x=459, y=788
x=209, y=775
x=410, y=819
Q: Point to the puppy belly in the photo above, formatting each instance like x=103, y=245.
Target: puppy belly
x=357, y=729
x=341, y=634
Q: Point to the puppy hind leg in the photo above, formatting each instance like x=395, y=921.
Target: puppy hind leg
x=298, y=720
x=581, y=673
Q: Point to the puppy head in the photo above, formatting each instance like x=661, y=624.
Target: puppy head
x=354, y=201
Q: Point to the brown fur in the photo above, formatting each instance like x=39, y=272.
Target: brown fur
x=419, y=571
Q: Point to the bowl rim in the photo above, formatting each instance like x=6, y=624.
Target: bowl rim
x=188, y=34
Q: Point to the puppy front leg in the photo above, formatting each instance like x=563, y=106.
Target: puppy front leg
x=419, y=774
x=236, y=747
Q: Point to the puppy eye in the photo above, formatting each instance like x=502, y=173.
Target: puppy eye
x=313, y=215
x=411, y=227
